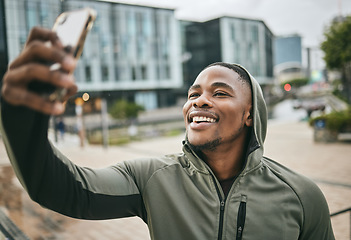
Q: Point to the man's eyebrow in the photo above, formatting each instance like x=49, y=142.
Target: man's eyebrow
x=193, y=87
x=215, y=84
x=222, y=84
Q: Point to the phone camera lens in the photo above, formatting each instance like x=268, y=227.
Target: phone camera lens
x=63, y=20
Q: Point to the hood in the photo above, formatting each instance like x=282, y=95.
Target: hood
x=258, y=131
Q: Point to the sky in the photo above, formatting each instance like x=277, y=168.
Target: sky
x=308, y=18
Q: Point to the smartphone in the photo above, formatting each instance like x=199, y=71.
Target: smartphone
x=72, y=28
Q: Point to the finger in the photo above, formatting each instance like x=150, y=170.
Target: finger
x=70, y=92
x=40, y=52
x=20, y=96
x=43, y=34
x=34, y=71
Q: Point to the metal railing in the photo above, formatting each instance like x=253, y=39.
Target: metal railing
x=9, y=230
x=341, y=212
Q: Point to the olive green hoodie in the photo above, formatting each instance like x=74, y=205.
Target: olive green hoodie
x=177, y=196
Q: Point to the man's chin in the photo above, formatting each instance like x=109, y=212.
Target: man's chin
x=205, y=146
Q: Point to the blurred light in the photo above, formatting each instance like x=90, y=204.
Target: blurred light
x=85, y=97
x=287, y=87
x=79, y=101
x=316, y=76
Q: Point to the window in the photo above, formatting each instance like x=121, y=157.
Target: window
x=131, y=23
x=117, y=73
x=32, y=18
x=141, y=47
x=167, y=71
x=104, y=73
x=44, y=14
x=254, y=33
x=165, y=48
x=158, y=71
x=139, y=23
x=87, y=73
x=143, y=72
x=134, y=73
x=232, y=32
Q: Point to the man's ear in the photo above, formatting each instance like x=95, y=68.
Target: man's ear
x=249, y=118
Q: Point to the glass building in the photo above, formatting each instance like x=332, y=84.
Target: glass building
x=288, y=49
x=3, y=42
x=288, y=58
x=132, y=51
x=229, y=39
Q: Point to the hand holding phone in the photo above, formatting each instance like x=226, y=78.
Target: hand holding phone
x=72, y=28
x=35, y=79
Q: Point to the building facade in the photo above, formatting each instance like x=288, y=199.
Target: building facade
x=3, y=42
x=132, y=51
x=229, y=39
x=136, y=52
x=288, y=58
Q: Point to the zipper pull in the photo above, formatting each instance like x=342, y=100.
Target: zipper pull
x=240, y=232
x=241, y=218
x=222, y=205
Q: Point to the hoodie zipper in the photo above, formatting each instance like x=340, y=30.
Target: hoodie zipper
x=221, y=208
x=221, y=218
x=241, y=212
x=241, y=218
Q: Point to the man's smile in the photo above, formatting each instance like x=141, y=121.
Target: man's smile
x=201, y=119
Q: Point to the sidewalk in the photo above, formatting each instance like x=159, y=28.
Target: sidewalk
x=290, y=143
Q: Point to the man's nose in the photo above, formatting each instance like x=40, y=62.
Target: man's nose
x=202, y=101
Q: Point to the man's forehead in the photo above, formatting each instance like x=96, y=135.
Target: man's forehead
x=219, y=73
x=213, y=84
x=216, y=79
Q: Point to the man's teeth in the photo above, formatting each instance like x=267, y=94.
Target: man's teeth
x=203, y=119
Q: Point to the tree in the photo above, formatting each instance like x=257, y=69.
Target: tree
x=296, y=82
x=125, y=110
x=337, y=49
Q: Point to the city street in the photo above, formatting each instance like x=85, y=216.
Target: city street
x=289, y=141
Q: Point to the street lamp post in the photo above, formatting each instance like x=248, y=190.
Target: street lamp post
x=104, y=122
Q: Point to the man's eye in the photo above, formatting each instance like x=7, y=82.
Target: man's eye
x=220, y=94
x=193, y=95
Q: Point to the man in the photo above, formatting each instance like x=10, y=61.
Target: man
x=220, y=187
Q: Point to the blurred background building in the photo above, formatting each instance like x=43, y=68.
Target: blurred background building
x=132, y=52
x=229, y=39
x=288, y=58
x=143, y=54
x=3, y=41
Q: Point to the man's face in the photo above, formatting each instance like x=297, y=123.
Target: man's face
x=218, y=109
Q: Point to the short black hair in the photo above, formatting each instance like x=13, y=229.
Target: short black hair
x=244, y=76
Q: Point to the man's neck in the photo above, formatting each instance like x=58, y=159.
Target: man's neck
x=225, y=163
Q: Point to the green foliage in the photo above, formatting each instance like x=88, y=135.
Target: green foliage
x=337, y=89
x=335, y=121
x=125, y=110
x=337, y=46
x=298, y=82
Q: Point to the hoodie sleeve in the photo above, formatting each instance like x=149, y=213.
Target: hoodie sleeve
x=316, y=224
x=55, y=182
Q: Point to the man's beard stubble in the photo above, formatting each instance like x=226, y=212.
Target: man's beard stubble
x=212, y=145
x=208, y=146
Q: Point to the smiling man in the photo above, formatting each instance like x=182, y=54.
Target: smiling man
x=220, y=187
x=218, y=117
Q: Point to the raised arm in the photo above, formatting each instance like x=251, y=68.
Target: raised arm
x=49, y=177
